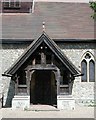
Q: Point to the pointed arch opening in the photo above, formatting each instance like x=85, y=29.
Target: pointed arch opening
x=91, y=71
x=84, y=71
x=88, y=67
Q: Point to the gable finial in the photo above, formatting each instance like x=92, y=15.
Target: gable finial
x=43, y=26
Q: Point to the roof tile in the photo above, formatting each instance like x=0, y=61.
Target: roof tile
x=62, y=20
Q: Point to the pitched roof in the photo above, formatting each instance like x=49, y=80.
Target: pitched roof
x=33, y=46
x=63, y=21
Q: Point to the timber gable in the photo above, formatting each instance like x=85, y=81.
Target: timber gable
x=33, y=46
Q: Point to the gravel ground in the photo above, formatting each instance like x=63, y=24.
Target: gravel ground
x=79, y=112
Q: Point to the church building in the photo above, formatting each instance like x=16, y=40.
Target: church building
x=48, y=54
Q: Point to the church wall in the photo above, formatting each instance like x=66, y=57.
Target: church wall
x=10, y=53
x=83, y=92
x=74, y=51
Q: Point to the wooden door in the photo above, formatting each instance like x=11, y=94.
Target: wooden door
x=43, y=87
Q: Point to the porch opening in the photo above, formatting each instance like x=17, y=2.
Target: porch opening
x=43, y=88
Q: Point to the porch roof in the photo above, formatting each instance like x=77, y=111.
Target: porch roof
x=33, y=46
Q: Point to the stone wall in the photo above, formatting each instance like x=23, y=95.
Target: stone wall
x=83, y=92
x=10, y=53
x=74, y=51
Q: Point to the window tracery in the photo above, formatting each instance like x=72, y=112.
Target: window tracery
x=88, y=68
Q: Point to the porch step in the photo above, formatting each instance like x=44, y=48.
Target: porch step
x=42, y=108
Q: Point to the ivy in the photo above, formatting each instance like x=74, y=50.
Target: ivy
x=93, y=7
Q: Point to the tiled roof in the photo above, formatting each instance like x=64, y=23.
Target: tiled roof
x=62, y=21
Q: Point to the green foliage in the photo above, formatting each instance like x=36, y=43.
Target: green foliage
x=92, y=104
x=93, y=7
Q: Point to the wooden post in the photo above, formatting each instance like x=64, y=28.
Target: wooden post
x=43, y=59
x=71, y=81
x=34, y=62
x=16, y=84
x=58, y=81
x=57, y=75
x=28, y=81
x=52, y=59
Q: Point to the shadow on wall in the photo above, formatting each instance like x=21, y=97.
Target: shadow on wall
x=10, y=94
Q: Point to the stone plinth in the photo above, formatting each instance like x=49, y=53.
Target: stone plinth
x=22, y=102
x=65, y=102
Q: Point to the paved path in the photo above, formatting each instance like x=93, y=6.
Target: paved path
x=37, y=112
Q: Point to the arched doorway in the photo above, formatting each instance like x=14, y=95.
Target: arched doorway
x=43, y=87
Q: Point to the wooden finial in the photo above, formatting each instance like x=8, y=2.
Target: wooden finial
x=43, y=26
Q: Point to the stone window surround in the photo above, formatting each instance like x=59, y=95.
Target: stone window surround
x=87, y=61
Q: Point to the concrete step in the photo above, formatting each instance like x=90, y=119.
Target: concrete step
x=42, y=108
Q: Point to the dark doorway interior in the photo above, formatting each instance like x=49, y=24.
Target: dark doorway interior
x=42, y=87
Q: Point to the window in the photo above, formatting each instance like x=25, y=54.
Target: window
x=91, y=71
x=11, y=4
x=6, y=3
x=84, y=70
x=88, y=68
